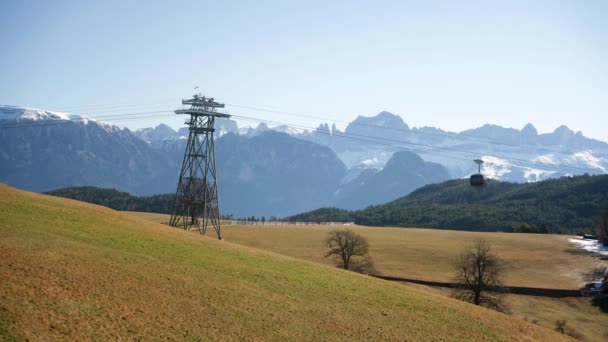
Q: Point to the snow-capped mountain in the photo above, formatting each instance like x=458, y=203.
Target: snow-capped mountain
x=159, y=132
x=368, y=143
x=164, y=132
x=510, y=154
x=21, y=115
x=42, y=150
x=268, y=173
x=287, y=130
x=282, y=170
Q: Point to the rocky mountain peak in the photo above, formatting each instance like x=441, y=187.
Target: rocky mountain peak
x=529, y=130
x=563, y=130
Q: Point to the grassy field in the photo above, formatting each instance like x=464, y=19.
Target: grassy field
x=532, y=260
x=75, y=271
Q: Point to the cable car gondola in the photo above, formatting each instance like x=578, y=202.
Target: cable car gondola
x=477, y=179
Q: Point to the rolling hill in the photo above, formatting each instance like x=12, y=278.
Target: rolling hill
x=87, y=272
x=117, y=200
x=564, y=204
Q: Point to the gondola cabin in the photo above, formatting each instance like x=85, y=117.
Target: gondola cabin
x=477, y=179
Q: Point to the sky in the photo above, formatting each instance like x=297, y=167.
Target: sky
x=449, y=64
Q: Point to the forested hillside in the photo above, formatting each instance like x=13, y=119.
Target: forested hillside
x=555, y=205
x=117, y=200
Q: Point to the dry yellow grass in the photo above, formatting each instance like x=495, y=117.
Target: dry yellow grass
x=74, y=271
x=533, y=260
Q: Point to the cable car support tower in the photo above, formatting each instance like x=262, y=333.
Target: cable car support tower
x=196, y=201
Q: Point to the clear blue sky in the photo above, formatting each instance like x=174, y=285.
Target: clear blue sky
x=449, y=64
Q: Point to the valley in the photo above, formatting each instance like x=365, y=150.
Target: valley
x=303, y=171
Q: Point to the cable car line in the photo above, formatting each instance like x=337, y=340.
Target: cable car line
x=325, y=118
x=430, y=149
x=450, y=134
x=551, y=166
x=54, y=122
x=354, y=138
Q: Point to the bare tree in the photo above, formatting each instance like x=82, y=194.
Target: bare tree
x=601, y=226
x=350, y=249
x=479, y=276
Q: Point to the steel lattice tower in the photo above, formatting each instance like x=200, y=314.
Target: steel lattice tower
x=196, y=201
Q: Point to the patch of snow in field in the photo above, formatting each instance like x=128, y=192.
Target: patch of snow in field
x=590, y=245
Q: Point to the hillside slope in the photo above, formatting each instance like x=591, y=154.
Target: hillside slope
x=84, y=271
x=567, y=203
x=117, y=200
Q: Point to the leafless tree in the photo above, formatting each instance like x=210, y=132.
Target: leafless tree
x=601, y=226
x=479, y=277
x=350, y=250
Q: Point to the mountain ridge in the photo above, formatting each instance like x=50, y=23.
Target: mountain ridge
x=50, y=151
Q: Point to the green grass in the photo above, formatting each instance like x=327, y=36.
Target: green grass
x=75, y=271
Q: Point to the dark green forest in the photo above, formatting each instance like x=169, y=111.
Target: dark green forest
x=563, y=205
x=117, y=200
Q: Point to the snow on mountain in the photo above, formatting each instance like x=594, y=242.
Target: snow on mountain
x=587, y=159
x=159, y=132
x=495, y=168
x=287, y=130
x=245, y=130
x=501, y=169
x=513, y=155
x=517, y=155
x=263, y=127
x=535, y=175
x=254, y=132
x=55, y=149
x=23, y=114
x=365, y=157
x=224, y=126
x=545, y=159
x=369, y=162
